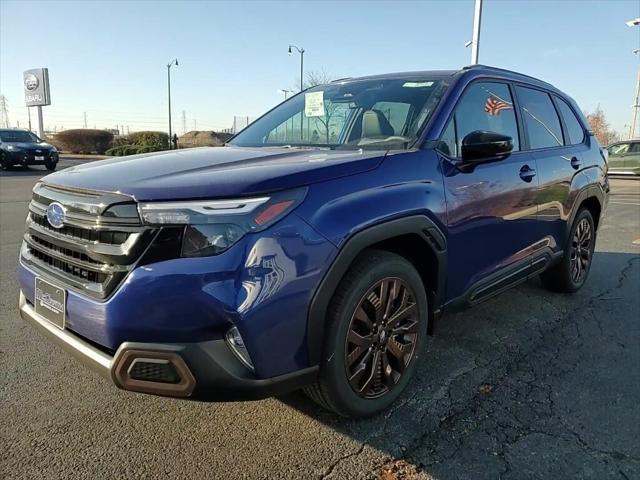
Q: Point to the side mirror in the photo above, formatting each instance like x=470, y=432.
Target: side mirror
x=480, y=145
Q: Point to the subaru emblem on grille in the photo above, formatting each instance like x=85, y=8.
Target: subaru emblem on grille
x=55, y=215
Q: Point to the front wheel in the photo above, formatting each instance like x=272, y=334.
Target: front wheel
x=573, y=269
x=4, y=163
x=51, y=166
x=376, y=328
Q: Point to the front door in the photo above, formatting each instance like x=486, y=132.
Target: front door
x=491, y=207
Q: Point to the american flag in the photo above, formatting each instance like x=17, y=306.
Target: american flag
x=494, y=106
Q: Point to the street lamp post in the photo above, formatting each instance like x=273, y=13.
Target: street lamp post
x=169, y=65
x=301, y=52
x=286, y=92
x=475, y=41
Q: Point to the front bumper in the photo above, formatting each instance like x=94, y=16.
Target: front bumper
x=204, y=370
x=22, y=157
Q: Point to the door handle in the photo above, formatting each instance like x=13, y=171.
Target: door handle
x=527, y=173
x=575, y=162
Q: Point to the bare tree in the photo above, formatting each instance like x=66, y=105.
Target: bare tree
x=600, y=127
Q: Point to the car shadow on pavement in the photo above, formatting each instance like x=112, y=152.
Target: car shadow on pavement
x=526, y=376
x=25, y=172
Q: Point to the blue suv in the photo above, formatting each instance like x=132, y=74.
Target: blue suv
x=318, y=247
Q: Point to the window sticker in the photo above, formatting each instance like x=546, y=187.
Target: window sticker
x=314, y=104
x=417, y=84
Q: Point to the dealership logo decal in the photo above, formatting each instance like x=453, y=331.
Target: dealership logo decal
x=49, y=303
x=31, y=82
x=55, y=215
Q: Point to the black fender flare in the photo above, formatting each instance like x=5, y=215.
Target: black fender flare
x=424, y=227
x=591, y=191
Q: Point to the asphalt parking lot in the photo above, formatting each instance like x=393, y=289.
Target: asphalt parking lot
x=527, y=385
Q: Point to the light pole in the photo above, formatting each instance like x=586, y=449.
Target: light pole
x=286, y=92
x=169, y=65
x=636, y=102
x=475, y=41
x=301, y=52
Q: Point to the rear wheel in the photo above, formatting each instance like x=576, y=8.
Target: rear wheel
x=377, y=325
x=572, y=271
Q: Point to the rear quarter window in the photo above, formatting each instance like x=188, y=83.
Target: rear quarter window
x=574, y=128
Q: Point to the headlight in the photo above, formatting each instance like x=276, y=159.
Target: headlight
x=12, y=148
x=213, y=226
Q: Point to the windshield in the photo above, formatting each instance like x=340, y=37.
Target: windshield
x=17, y=136
x=376, y=114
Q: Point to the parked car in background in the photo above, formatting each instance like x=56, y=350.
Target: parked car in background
x=319, y=246
x=624, y=158
x=24, y=148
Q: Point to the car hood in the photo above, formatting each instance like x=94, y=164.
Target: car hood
x=214, y=172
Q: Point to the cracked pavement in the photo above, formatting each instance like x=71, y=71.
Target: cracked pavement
x=530, y=384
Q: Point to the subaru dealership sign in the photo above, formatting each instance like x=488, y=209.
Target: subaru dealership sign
x=36, y=87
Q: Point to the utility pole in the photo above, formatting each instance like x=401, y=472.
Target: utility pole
x=85, y=119
x=636, y=103
x=29, y=113
x=195, y=124
x=4, y=112
x=184, y=122
x=474, y=43
x=169, y=65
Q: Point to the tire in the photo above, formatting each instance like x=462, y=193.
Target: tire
x=567, y=276
x=51, y=166
x=4, y=165
x=395, y=354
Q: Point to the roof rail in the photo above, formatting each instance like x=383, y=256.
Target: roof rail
x=489, y=67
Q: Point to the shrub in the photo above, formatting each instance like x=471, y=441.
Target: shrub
x=130, y=149
x=114, y=151
x=146, y=149
x=156, y=140
x=84, y=140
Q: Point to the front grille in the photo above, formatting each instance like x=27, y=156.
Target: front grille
x=97, y=246
x=100, y=236
x=79, y=272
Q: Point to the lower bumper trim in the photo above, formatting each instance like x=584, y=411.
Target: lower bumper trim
x=208, y=370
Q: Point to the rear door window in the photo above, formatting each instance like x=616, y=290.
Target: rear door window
x=572, y=124
x=541, y=120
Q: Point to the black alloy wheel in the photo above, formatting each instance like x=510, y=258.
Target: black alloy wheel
x=572, y=270
x=382, y=338
x=581, y=251
x=376, y=329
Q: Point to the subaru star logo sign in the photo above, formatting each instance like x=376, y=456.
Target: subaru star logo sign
x=31, y=82
x=55, y=215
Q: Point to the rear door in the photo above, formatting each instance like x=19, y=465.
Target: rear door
x=491, y=207
x=557, y=162
x=632, y=158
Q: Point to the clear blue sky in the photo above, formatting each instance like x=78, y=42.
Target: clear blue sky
x=109, y=58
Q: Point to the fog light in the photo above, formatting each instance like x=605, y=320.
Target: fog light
x=235, y=342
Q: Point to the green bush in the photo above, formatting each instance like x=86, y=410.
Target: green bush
x=84, y=140
x=130, y=149
x=156, y=140
x=146, y=149
x=114, y=151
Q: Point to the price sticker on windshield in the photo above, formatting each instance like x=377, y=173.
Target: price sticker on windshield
x=314, y=104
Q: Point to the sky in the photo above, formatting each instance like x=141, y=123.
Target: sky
x=109, y=59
